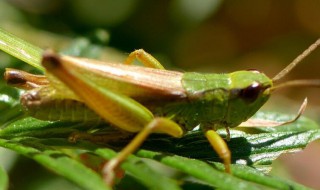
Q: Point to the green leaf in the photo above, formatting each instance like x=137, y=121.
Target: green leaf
x=252, y=175
x=243, y=177
x=258, y=150
x=32, y=127
x=20, y=49
x=4, y=179
x=57, y=161
x=142, y=172
x=201, y=171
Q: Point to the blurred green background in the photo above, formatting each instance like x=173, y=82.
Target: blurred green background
x=188, y=35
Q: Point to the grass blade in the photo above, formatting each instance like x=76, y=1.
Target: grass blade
x=20, y=49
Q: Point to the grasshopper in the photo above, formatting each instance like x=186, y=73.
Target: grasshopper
x=144, y=100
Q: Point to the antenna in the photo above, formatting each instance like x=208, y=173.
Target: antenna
x=298, y=83
x=296, y=61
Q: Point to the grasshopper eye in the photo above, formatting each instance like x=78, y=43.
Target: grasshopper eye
x=251, y=93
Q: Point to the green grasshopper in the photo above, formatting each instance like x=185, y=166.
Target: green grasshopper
x=148, y=99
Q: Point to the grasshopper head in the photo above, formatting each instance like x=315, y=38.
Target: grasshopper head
x=249, y=91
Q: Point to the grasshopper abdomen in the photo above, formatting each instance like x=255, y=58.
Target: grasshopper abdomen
x=56, y=109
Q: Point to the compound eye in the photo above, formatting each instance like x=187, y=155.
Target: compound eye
x=251, y=93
